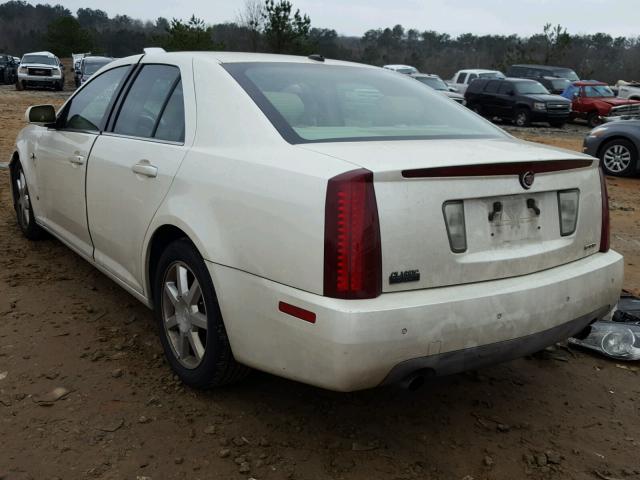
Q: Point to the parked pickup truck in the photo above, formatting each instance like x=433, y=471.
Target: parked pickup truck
x=463, y=78
x=629, y=90
x=593, y=100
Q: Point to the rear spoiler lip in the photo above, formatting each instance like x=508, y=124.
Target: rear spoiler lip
x=497, y=169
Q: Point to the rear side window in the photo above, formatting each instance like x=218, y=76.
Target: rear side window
x=171, y=125
x=86, y=110
x=461, y=78
x=146, y=103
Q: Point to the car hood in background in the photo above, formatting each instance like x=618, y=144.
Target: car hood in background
x=549, y=98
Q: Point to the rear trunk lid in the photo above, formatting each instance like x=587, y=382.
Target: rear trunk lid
x=413, y=181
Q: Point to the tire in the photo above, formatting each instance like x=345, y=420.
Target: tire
x=522, y=118
x=593, y=119
x=557, y=123
x=191, y=330
x=619, y=158
x=22, y=205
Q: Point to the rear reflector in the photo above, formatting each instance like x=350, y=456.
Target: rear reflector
x=352, y=251
x=297, y=312
x=605, y=240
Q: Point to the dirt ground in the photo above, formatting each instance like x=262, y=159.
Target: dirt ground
x=121, y=414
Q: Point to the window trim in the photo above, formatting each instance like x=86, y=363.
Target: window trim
x=124, y=93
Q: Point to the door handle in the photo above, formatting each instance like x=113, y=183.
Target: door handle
x=145, y=169
x=77, y=160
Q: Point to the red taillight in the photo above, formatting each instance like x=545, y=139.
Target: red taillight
x=604, y=235
x=352, y=252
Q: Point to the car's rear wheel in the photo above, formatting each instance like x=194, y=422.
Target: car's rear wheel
x=522, y=118
x=189, y=321
x=22, y=204
x=619, y=157
x=593, y=119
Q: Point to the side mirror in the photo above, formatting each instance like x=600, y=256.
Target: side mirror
x=453, y=89
x=40, y=114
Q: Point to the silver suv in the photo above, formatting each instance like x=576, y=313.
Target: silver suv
x=40, y=69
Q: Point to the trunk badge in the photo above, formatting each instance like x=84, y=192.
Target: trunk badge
x=527, y=179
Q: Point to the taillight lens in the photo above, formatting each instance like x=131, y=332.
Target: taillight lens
x=568, y=204
x=604, y=235
x=352, y=251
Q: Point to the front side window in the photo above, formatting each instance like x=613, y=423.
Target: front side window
x=506, y=88
x=323, y=103
x=87, y=110
x=566, y=73
x=462, y=77
x=146, y=100
x=93, y=67
x=492, y=86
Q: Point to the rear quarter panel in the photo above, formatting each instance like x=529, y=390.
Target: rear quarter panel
x=246, y=198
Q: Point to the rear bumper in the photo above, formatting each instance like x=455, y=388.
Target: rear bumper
x=360, y=344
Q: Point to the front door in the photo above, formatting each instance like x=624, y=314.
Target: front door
x=61, y=158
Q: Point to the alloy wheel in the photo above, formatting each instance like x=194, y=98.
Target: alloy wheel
x=184, y=315
x=617, y=158
x=23, y=203
x=521, y=119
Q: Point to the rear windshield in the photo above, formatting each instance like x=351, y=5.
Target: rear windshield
x=491, y=75
x=566, y=73
x=434, y=82
x=328, y=103
x=530, y=88
x=560, y=83
x=92, y=67
x=42, y=59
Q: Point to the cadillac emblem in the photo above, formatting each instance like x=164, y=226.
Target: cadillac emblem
x=527, y=179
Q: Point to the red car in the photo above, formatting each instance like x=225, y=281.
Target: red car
x=592, y=100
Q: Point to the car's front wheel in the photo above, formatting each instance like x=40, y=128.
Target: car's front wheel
x=557, y=123
x=593, y=119
x=522, y=117
x=189, y=321
x=22, y=204
x=619, y=157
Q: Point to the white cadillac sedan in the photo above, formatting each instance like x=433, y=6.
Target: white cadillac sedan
x=328, y=222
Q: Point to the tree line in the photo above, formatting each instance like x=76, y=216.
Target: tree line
x=276, y=26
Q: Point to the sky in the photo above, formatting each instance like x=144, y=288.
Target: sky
x=354, y=17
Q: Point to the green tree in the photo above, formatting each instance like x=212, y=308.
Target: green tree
x=191, y=35
x=65, y=35
x=285, y=31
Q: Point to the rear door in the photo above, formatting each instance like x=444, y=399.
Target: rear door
x=134, y=162
x=61, y=159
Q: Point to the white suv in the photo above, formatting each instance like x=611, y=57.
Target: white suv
x=40, y=69
x=329, y=222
